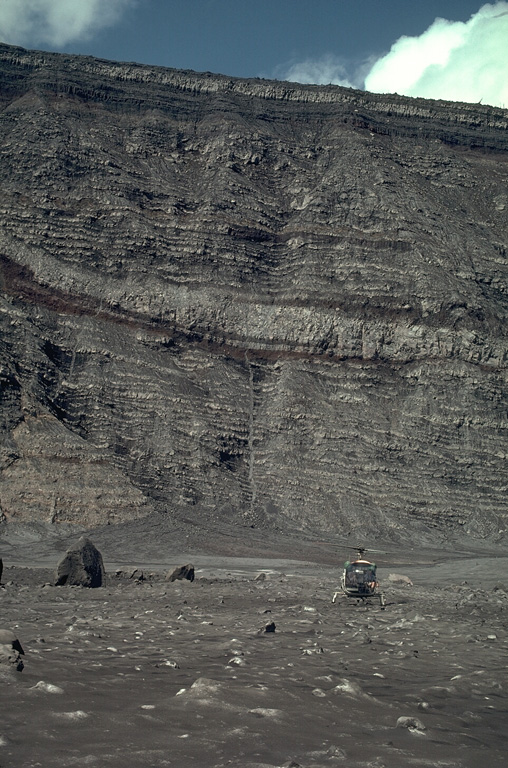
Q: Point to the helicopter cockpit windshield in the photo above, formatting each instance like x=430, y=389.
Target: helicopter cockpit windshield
x=359, y=576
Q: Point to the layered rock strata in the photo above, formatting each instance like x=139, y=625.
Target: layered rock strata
x=272, y=303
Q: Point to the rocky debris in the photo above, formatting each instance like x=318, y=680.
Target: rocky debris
x=202, y=688
x=399, y=578
x=47, y=687
x=313, y=295
x=137, y=575
x=10, y=651
x=312, y=651
x=270, y=627
x=75, y=716
x=47, y=450
x=182, y=572
x=81, y=566
x=169, y=663
x=412, y=723
x=9, y=639
x=10, y=658
x=351, y=688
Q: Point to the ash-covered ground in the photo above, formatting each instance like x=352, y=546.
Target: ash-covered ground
x=146, y=672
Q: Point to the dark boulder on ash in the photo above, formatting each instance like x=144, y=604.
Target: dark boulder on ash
x=81, y=566
x=10, y=639
x=180, y=573
x=11, y=651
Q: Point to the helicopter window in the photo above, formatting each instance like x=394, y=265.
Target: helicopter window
x=356, y=576
x=351, y=578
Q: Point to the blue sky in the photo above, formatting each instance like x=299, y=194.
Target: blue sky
x=384, y=45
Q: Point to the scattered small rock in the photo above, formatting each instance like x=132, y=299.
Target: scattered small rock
x=137, y=575
x=270, y=627
x=76, y=716
x=265, y=712
x=203, y=687
x=399, y=578
x=349, y=688
x=336, y=752
x=260, y=577
x=412, y=723
x=46, y=687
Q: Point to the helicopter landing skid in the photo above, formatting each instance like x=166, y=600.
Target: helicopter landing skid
x=358, y=598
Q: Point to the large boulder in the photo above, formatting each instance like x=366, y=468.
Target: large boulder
x=10, y=659
x=7, y=637
x=11, y=651
x=180, y=573
x=81, y=566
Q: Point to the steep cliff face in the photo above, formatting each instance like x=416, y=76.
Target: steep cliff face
x=268, y=302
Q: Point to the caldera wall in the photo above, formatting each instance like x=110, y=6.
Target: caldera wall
x=273, y=303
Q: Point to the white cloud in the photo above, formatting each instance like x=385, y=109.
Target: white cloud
x=327, y=69
x=452, y=60
x=56, y=22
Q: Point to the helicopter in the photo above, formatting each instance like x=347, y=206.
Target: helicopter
x=359, y=580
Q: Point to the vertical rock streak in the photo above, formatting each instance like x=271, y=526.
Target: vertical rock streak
x=250, y=440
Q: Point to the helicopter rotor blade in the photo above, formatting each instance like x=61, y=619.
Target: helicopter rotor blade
x=368, y=549
x=341, y=544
